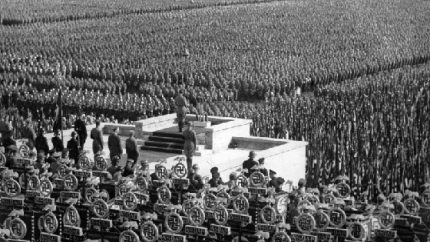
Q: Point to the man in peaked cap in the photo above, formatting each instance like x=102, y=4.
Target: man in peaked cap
x=190, y=143
x=57, y=142
x=196, y=181
x=250, y=163
x=216, y=180
x=181, y=109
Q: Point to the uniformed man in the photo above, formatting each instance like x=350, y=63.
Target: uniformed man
x=96, y=135
x=189, y=144
x=81, y=130
x=196, y=181
x=216, y=180
x=250, y=163
x=57, y=142
x=181, y=109
x=114, y=143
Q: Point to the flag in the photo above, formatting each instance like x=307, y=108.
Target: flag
x=58, y=114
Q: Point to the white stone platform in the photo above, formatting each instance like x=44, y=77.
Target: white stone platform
x=227, y=143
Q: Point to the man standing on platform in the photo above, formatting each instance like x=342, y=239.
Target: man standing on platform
x=81, y=129
x=114, y=144
x=57, y=142
x=131, y=148
x=181, y=109
x=96, y=135
x=189, y=144
x=73, y=146
x=250, y=163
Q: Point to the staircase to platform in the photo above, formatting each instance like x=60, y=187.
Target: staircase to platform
x=167, y=142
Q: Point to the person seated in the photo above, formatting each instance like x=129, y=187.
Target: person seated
x=129, y=168
x=144, y=169
x=262, y=168
x=40, y=164
x=301, y=186
x=11, y=156
x=54, y=162
x=275, y=182
x=216, y=180
x=114, y=170
x=250, y=163
x=196, y=181
x=154, y=176
x=232, y=180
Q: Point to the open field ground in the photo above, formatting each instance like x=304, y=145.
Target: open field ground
x=366, y=62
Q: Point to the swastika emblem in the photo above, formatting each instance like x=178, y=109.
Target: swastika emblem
x=187, y=205
x=142, y=184
x=90, y=194
x=343, y=189
x=84, y=162
x=18, y=229
x=357, y=231
x=425, y=197
x=33, y=183
x=70, y=182
x=45, y=188
x=24, y=151
x=123, y=189
x=209, y=201
x=100, y=208
x=305, y=222
x=322, y=221
x=130, y=201
x=72, y=217
x=174, y=223
x=63, y=170
x=221, y=215
x=224, y=197
x=164, y=194
x=196, y=216
x=149, y=232
x=11, y=187
x=337, y=217
x=240, y=204
x=100, y=163
x=161, y=172
x=128, y=236
x=386, y=219
x=50, y=223
x=412, y=206
x=180, y=170
x=268, y=215
x=257, y=179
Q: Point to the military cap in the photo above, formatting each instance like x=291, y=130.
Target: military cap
x=214, y=170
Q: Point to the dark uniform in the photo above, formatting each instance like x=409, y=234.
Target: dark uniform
x=97, y=137
x=81, y=129
x=114, y=144
x=249, y=164
x=73, y=146
x=41, y=144
x=189, y=146
x=131, y=149
x=181, y=110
